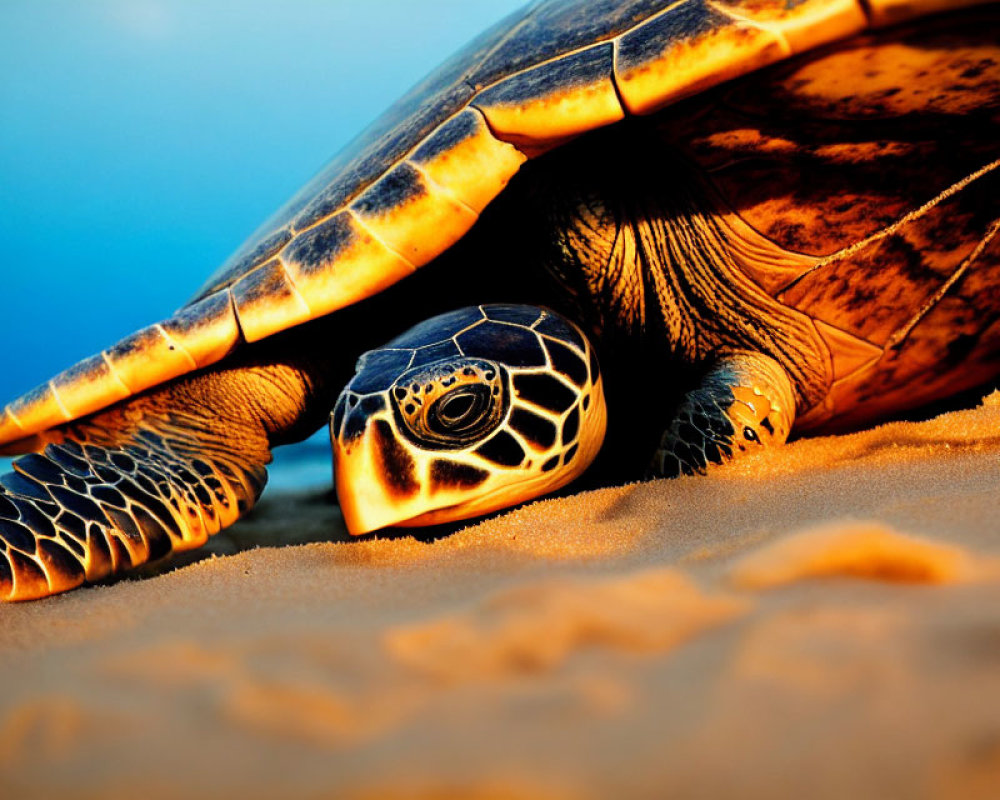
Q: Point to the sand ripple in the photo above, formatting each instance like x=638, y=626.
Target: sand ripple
x=862, y=550
x=532, y=629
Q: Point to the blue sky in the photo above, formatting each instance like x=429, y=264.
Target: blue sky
x=142, y=140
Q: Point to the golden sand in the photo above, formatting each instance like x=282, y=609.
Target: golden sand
x=822, y=621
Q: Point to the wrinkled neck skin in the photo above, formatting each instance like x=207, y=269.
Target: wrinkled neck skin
x=651, y=258
x=260, y=399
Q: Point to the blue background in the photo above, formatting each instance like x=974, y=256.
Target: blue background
x=142, y=140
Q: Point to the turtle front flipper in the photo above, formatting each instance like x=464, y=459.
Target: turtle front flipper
x=745, y=401
x=157, y=474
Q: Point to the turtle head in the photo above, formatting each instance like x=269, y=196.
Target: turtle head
x=469, y=412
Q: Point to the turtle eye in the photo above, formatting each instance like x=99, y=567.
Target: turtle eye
x=459, y=411
x=450, y=404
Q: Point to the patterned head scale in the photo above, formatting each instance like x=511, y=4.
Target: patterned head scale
x=466, y=413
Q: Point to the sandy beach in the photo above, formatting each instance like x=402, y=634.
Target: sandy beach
x=819, y=621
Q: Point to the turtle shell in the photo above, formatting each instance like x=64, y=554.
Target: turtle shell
x=414, y=182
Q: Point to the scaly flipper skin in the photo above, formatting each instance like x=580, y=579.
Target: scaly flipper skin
x=158, y=474
x=744, y=401
x=78, y=513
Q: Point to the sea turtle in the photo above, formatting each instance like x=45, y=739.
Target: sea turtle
x=813, y=244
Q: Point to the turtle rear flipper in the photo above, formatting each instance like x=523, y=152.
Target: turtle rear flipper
x=157, y=474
